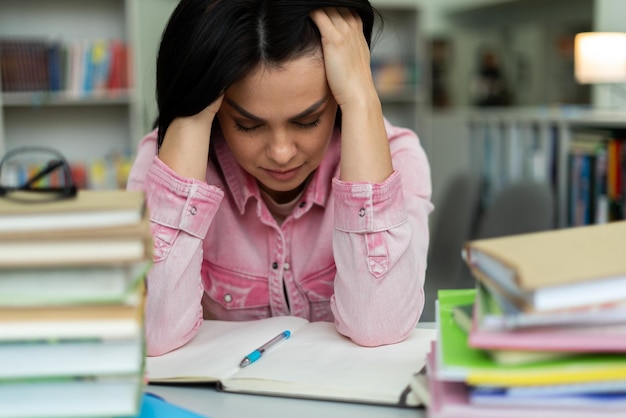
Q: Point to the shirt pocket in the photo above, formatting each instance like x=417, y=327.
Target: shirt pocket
x=318, y=289
x=233, y=296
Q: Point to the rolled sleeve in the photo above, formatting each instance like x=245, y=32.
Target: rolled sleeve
x=181, y=203
x=369, y=207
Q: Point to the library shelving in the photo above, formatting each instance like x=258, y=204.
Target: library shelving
x=399, y=63
x=69, y=78
x=577, y=150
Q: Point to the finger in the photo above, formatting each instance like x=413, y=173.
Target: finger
x=320, y=18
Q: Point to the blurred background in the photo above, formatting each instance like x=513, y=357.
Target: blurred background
x=517, y=138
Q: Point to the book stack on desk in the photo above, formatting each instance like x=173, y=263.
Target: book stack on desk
x=544, y=331
x=71, y=305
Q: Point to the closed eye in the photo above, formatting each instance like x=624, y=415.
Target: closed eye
x=309, y=125
x=246, y=129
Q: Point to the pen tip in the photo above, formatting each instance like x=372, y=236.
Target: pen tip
x=245, y=362
x=287, y=334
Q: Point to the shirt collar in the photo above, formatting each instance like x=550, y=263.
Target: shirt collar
x=243, y=186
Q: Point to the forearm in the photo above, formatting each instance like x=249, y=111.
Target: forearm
x=380, y=259
x=173, y=311
x=365, y=154
x=381, y=250
x=181, y=213
x=373, y=310
x=185, y=148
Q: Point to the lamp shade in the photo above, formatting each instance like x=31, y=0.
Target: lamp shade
x=600, y=57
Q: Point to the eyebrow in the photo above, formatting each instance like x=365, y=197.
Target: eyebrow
x=306, y=112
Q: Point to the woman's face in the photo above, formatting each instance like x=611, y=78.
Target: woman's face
x=278, y=122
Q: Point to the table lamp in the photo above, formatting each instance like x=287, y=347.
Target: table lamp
x=600, y=58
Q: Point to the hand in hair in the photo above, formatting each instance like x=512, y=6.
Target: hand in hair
x=365, y=155
x=346, y=54
x=186, y=144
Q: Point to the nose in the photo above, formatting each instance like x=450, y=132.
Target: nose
x=280, y=148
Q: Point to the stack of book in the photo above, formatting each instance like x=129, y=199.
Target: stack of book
x=544, y=331
x=71, y=305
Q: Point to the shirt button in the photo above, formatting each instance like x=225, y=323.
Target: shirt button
x=362, y=212
x=286, y=266
x=274, y=265
x=193, y=210
x=302, y=204
x=228, y=298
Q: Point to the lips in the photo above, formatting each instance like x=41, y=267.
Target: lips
x=283, y=175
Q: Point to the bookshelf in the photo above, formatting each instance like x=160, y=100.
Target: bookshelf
x=539, y=144
x=86, y=122
x=400, y=64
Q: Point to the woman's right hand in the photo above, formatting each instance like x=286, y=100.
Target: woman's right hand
x=185, y=147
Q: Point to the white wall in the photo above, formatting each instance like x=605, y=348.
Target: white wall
x=608, y=17
x=434, y=12
x=153, y=17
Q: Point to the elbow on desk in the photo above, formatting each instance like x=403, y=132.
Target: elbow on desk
x=162, y=339
x=373, y=332
x=375, y=337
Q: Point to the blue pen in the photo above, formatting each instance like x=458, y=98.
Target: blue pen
x=256, y=354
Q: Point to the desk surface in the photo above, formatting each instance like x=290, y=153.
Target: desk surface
x=208, y=401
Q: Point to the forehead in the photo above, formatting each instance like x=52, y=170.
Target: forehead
x=293, y=86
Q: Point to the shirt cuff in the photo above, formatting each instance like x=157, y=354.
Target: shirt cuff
x=369, y=207
x=181, y=203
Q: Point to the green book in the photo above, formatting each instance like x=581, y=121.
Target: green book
x=457, y=361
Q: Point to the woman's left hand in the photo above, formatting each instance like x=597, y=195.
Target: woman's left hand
x=346, y=54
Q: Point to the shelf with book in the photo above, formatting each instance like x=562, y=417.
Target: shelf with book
x=399, y=64
x=542, y=144
x=69, y=79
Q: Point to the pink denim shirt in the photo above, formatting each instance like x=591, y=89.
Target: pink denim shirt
x=352, y=253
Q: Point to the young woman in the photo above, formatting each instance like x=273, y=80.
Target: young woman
x=275, y=185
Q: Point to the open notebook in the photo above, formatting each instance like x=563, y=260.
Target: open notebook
x=315, y=362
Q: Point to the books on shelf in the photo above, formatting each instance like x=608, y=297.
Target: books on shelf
x=315, y=362
x=595, y=180
x=79, y=67
x=71, y=305
x=557, y=269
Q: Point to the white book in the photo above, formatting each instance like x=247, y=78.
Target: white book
x=69, y=285
x=78, y=252
x=77, y=397
x=89, y=209
x=99, y=321
x=55, y=358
